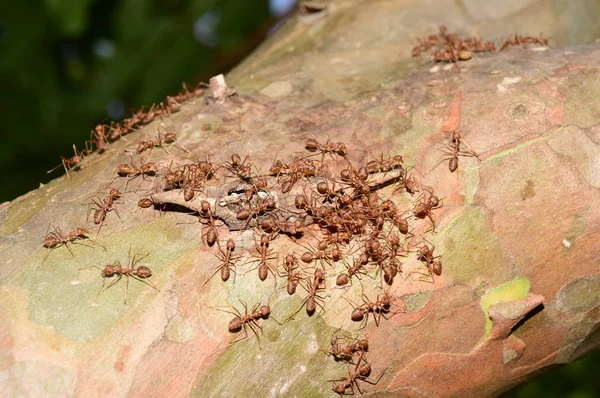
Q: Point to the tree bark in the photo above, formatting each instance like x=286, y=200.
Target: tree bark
x=517, y=229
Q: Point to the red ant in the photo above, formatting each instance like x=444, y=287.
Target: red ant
x=382, y=165
x=132, y=171
x=433, y=263
x=425, y=206
x=56, y=239
x=356, y=269
x=312, y=287
x=331, y=148
x=227, y=261
x=454, y=151
x=72, y=162
x=360, y=373
x=519, y=40
x=140, y=273
x=346, y=352
x=247, y=320
x=379, y=308
x=206, y=213
x=105, y=206
x=98, y=138
x=161, y=139
x=323, y=254
x=293, y=278
x=263, y=255
x=240, y=168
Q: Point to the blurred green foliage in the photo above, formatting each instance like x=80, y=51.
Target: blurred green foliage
x=67, y=65
x=580, y=379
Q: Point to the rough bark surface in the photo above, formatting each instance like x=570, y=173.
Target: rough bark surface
x=518, y=231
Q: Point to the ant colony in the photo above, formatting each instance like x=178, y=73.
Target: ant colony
x=342, y=221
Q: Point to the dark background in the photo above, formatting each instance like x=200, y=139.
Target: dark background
x=67, y=65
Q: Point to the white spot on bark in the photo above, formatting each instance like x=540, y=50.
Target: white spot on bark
x=508, y=81
x=313, y=345
x=435, y=69
x=566, y=243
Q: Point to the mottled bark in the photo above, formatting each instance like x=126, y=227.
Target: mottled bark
x=518, y=230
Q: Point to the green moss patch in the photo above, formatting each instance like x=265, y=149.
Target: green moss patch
x=516, y=289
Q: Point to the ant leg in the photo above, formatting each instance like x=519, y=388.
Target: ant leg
x=147, y=282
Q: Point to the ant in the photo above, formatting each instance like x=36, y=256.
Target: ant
x=356, y=269
x=246, y=321
x=454, y=151
x=98, y=138
x=382, y=165
x=227, y=261
x=360, y=373
x=105, y=206
x=293, y=278
x=433, y=263
x=132, y=171
x=56, y=238
x=322, y=254
x=73, y=162
x=331, y=148
x=312, y=287
x=239, y=167
x=520, y=40
x=346, y=352
x=263, y=255
x=161, y=139
x=379, y=308
x=206, y=213
x=140, y=273
x=425, y=206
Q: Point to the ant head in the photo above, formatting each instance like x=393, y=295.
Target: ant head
x=265, y=311
x=290, y=258
x=264, y=240
x=109, y=270
x=230, y=244
x=235, y=160
x=81, y=231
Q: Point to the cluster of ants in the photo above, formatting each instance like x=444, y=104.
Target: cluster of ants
x=449, y=47
x=357, y=370
x=341, y=216
x=326, y=206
